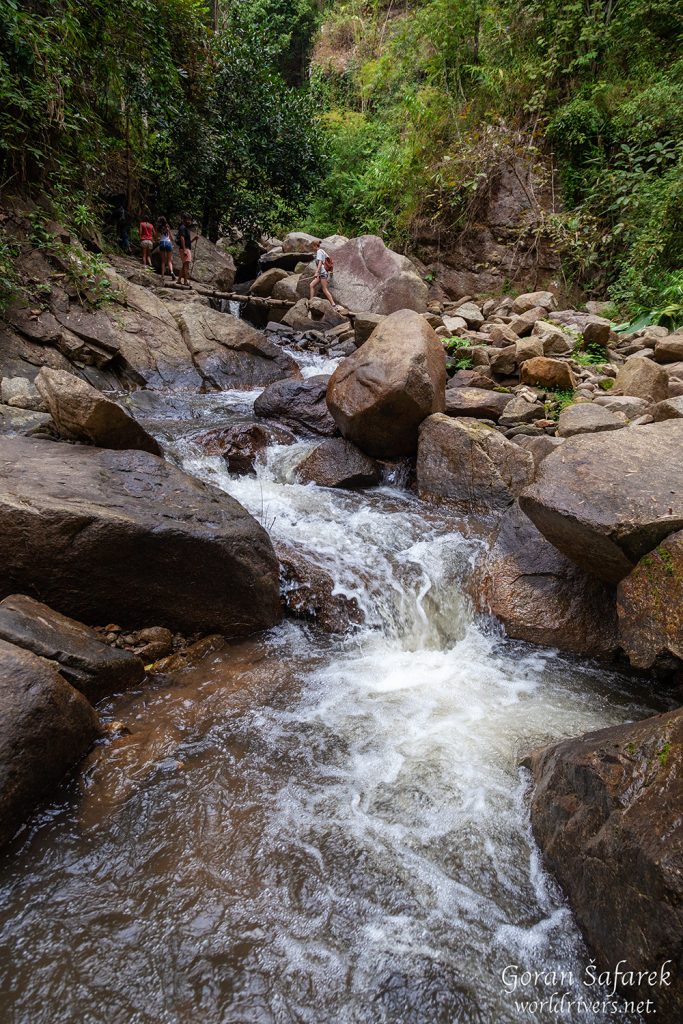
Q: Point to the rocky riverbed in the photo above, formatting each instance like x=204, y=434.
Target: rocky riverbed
x=438, y=498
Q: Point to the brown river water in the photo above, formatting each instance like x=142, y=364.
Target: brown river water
x=303, y=827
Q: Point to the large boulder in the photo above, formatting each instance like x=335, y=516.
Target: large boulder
x=642, y=378
x=301, y=404
x=606, y=500
x=669, y=350
x=46, y=726
x=312, y=314
x=379, y=395
x=532, y=300
x=92, y=666
x=242, y=443
x=229, y=352
x=338, y=463
x=542, y=597
x=606, y=812
x=124, y=536
x=285, y=288
x=211, y=266
x=650, y=606
x=370, y=278
x=82, y=413
x=149, y=341
x=470, y=464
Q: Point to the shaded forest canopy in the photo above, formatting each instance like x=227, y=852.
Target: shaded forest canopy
x=360, y=116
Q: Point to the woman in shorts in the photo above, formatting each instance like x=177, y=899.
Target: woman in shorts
x=165, y=247
x=146, y=241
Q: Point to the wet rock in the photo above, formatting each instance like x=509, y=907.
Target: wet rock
x=308, y=593
x=470, y=464
x=542, y=597
x=642, y=378
x=554, y=374
x=265, y=283
x=370, y=278
x=241, y=444
x=669, y=409
x=338, y=463
x=82, y=413
x=669, y=350
x=124, y=536
x=93, y=667
x=606, y=812
x=229, y=353
x=650, y=605
x=587, y=418
x=379, y=395
x=532, y=300
x=301, y=404
x=46, y=726
x=606, y=500
x=484, y=404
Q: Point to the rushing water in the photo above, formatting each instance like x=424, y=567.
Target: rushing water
x=309, y=828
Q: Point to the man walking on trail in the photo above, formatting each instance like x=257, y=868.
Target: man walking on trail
x=323, y=268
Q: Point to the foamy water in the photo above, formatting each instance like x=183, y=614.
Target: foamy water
x=312, y=828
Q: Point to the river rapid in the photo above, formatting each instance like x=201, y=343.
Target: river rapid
x=305, y=827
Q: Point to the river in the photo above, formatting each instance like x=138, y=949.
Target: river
x=309, y=827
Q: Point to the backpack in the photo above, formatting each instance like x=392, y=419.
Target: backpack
x=329, y=264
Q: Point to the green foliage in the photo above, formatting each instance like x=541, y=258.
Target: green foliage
x=606, y=384
x=556, y=401
x=590, y=355
x=85, y=271
x=9, y=279
x=141, y=99
x=427, y=100
x=453, y=343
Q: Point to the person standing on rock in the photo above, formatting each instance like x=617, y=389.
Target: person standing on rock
x=323, y=269
x=146, y=240
x=184, y=240
x=165, y=248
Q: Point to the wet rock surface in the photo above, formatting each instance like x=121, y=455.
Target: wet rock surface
x=606, y=812
x=302, y=405
x=606, y=500
x=104, y=535
x=90, y=665
x=650, y=605
x=542, y=597
x=308, y=593
x=338, y=463
x=46, y=726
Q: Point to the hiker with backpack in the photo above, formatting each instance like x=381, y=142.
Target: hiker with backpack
x=324, y=268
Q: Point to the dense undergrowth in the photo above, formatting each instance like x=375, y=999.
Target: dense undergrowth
x=399, y=124
x=423, y=96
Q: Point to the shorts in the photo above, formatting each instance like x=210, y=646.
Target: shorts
x=186, y=255
x=165, y=245
x=147, y=243
x=322, y=274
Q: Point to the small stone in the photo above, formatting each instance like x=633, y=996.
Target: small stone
x=554, y=374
